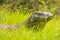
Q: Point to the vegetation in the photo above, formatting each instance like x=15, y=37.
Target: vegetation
x=17, y=11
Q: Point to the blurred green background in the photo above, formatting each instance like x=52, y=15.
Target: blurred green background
x=17, y=11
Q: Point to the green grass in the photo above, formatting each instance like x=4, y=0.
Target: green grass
x=17, y=17
x=50, y=32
